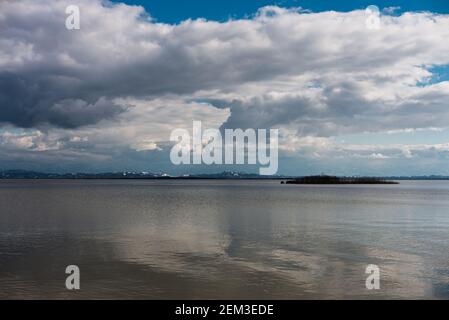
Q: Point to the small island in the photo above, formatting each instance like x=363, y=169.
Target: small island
x=323, y=179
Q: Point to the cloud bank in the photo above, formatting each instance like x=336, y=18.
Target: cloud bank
x=121, y=83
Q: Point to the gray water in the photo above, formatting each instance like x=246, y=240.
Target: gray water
x=214, y=239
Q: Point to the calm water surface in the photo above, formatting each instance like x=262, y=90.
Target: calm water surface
x=223, y=239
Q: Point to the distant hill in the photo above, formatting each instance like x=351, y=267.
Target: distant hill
x=338, y=180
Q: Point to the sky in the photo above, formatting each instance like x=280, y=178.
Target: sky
x=175, y=11
x=347, y=98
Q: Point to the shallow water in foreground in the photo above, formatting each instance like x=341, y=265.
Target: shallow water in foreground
x=187, y=239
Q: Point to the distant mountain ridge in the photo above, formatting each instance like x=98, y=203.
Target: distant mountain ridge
x=25, y=174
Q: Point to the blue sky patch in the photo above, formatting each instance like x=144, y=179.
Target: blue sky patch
x=174, y=11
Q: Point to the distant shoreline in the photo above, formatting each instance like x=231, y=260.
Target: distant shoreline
x=33, y=175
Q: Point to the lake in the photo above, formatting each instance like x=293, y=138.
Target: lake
x=223, y=239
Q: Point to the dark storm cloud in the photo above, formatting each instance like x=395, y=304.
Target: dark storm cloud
x=29, y=102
